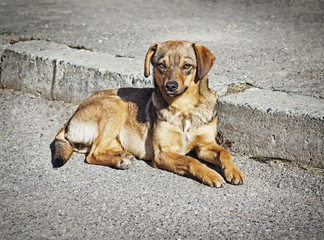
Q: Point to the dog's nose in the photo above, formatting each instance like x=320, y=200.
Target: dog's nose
x=171, y=86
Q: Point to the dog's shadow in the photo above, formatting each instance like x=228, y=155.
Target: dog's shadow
x=52, y=147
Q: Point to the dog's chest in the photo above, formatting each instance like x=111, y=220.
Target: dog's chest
x=187, y=124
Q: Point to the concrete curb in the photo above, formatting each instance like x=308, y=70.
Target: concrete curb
x=258, y=122
x=58, y=72
x=265, y=123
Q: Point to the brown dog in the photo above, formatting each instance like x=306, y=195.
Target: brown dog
x=161, y=124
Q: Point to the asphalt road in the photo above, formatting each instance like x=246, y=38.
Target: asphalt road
x=80, y=201
x=276, y=45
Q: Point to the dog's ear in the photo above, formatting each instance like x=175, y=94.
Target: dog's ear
x=205, y=60
x=148, y=58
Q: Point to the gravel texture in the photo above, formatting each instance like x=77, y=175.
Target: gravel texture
x=271, y=44
x=80, y=201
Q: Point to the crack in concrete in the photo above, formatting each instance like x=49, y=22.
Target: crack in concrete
x=53, y=80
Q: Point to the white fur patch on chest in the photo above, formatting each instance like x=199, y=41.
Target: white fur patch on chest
x=187, y=126
x=186, y=138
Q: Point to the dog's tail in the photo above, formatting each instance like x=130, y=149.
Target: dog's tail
x=62, y=149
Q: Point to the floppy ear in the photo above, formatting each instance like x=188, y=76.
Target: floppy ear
x=148, y=58
x=205, y=60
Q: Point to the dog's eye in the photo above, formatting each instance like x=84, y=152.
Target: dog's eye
x=186, y=66
x=161, y=65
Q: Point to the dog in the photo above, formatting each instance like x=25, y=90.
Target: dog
x=162, y=124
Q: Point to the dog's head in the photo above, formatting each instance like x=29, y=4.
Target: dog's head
x=177, y=65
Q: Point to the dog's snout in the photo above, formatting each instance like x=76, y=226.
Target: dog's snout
x=171, y=86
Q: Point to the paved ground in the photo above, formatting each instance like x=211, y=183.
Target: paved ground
x=274, y=45
x=79, y=201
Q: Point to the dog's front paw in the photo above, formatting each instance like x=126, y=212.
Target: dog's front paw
x=234, y=176
x=125, y=162
x=213, y=179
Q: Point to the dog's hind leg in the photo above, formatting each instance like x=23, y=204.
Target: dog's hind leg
x=112, y=155
x=106, y=149
x=62, y=149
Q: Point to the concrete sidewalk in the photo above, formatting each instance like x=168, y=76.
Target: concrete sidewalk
x=275, y=45
x=274, y=48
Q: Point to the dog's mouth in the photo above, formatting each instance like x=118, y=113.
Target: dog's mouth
x=172, y=94
x=175, y=93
